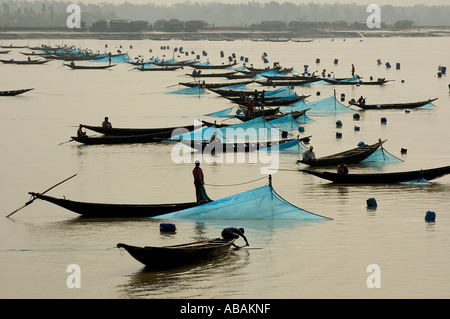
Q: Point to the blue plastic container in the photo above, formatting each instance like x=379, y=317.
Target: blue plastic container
x=338, y=123
x=284, y=134
x=383, y=120
x=338, y=135
x=397, y=66
x=167, y=227
x=357, y=128
x=301, y=129
x=430, y=216
x=443, y=70
x=371, y=202
x=388, y=65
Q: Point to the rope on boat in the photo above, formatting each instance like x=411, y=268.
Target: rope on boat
x=243, y=183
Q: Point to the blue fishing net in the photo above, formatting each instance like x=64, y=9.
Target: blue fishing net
x=196, y=90
x=294, y=147
x=120, y=58
x=255, y=204
x=381, y=157
x=324, y=107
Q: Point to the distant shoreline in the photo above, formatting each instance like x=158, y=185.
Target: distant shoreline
x=224, y=34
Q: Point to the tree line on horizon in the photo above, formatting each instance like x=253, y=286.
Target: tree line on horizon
x=48, y=13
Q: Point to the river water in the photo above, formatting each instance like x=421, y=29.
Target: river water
x=294, y=260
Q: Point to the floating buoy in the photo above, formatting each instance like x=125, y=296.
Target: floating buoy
x=379, y=62
x=317, y=61
x=397, y=66
x=403, y=150
x=361, y=144
x=357, y=128
x=284, y=134
x=338, y=123
x=439, y=74
x=167, y=227
x=301, y=129
x=443, y=70
x=336, y=61
x=338, y=135
x=407, y=111
x=430, y=216
x=371, y=202
x=343, y=97
x=388, y=65
x=356, y=116
x=403, y=81
x=383, y=120
x=317, y=93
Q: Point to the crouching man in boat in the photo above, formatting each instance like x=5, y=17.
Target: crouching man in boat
x=342, y=169
x=106, y=124
x=80, y=132
x=233, y=232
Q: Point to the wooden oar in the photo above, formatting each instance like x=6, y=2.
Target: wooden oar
x=32, y=200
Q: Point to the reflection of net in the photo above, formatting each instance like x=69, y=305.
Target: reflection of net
x=258, y=203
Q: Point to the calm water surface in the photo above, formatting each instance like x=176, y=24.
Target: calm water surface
x=326, y=259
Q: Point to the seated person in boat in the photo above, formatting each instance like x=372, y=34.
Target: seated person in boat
x=233, y=232
x=80, y=132
x=342, y=169
x=309, y=155
x=106, y=124
x=361, y=101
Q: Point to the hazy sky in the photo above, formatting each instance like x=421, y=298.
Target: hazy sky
x=361, y=2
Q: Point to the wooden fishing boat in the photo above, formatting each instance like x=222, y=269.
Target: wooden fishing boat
x=360, y=82
x=12, y=61
x=352, y=156
x=231, y=146
x=211, y=66
x=165, y=257
x=268, y=117
x=5, y=51
x=86, y=209
x=211, y=75
x=122, y=139
x=270, y=102
x=14, y=92
x=213, y=85
x=89, y=67
x=382, y=178
x=274, y=83
x=159, y=68
x=118, y=131
x=392, y=105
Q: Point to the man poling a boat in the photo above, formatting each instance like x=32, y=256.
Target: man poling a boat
x=233, y=232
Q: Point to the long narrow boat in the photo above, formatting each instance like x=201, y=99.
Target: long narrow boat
x=286, y=82
x=212, y=75
x=382, y=178
x=269, y=101
x=122, y=139
x=360, y=82
x=105, y=210
x=159, y=68
x=211, y=66
x=352, y=156
x=231, y=147
x=165, y=257
x=213, y=85
x=89, y=67
x=392, y=105
x=24, y=61
x=5, y=51
x=118, y=131
x=14, y=92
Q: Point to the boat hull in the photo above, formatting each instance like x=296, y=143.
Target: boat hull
x=104, y=210
x=180, y=255
x=381, y=178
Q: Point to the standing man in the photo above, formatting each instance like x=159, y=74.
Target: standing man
x=353, y=70
x=199, y=184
